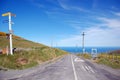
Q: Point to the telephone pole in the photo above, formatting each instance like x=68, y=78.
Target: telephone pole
x=83, y=48
x=9, y=14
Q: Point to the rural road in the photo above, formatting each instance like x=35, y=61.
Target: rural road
x=71, y=67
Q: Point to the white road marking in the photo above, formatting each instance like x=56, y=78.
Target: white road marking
x=75, y=75
x=78, y=60
x=91, y=69
x=87, y=68
x=83, y=68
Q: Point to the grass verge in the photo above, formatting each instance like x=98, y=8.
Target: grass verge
x=109, y=60
x=27, y=59
x=85, y=55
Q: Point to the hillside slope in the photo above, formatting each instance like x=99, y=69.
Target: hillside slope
x=17, y=42
x=31, y=53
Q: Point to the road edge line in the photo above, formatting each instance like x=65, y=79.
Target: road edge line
x=73, y=66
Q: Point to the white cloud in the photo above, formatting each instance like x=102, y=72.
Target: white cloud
x=80, y=9
x=102, y=37
x=70, y=41
x=118, y=14
x=94, y=37
x=104, y=34
x=110, y=23
x=97, y=35
x=63, y=4
x=35, y=3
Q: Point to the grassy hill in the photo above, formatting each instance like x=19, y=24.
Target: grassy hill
x=17, y=42
x=29, y=55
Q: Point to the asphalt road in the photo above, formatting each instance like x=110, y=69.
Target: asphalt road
x=70, y=67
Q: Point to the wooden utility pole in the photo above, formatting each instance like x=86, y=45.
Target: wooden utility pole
x=83, y=48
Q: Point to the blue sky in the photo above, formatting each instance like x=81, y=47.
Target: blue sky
x=61, y=22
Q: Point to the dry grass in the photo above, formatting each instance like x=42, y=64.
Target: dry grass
x=25, y=59
x=109, y=60
x=31, y=53
x=85, y=55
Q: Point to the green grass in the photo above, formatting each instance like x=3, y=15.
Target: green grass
x=11, y=62
x=33, y=57
x=109, y=60
x=18, y=42
x=31, y=54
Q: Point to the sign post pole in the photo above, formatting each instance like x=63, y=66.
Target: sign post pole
x=9, y=14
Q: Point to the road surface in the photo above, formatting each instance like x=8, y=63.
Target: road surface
x=70, y=67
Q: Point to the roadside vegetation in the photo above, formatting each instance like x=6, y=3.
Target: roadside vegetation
x=26, y=59
x=27, y=53
x=85, y=55
x=112, y=60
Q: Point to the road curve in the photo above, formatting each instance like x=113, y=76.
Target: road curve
x=70, y=67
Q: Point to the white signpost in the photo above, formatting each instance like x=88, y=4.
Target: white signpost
x=9, y=14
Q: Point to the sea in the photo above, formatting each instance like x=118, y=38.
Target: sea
x=97, y=50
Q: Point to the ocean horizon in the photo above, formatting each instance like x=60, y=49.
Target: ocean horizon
x=89, y=49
